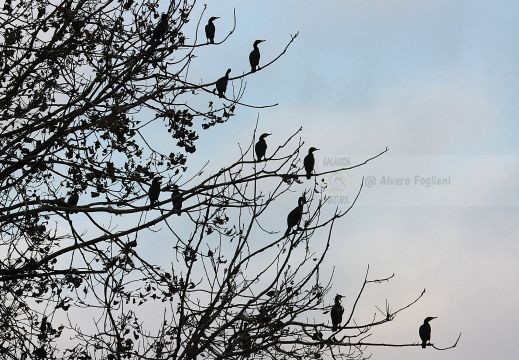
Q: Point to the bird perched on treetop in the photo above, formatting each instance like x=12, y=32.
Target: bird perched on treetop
x=176, y=197
x=154, y=191
x=221, y=84
x=261, y=147
x=294, y=217
x=336, y=312
x=309, y=162
x=210, y=30
x=161, y=27
x=254, y=56
x=73, y=199
x=425, y=331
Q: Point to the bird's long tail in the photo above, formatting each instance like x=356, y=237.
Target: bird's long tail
x=424, y=344
x=309, y=176
x=287, y=232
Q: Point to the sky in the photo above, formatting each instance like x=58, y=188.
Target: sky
x=436, y=82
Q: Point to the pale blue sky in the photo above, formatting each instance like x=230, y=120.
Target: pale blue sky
x=423, y=78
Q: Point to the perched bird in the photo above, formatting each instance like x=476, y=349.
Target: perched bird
x=161, y=27
x=210, y=29
x=73, y=199
x=294, y=217
x=336, y=312
x=261, y=147
x=43, y=325
x=309, y=162
x=254, y=56
x=221, y=84
x=176, y=197
x=425, y=331
x=154, y=191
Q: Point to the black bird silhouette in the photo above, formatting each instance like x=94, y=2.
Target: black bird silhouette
x=261, y=147
x=254, y=56
x=154, y=191
x=221, y=84
x=43, y=325
x=161, y=27
x=73, y=199
x=176, y=197
x=294, y=217
x=309, y=162
x=336, y=312
x=425, y=331
x=210, y=29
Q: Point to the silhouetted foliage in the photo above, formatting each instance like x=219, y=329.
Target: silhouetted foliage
x=85, y=87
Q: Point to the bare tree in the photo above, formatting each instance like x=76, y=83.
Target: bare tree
x=84, y=190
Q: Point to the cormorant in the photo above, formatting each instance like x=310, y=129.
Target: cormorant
x=176, y=197
x=221, y=84
x=154, y=191
x=336, y=312
x=294, y=217
x=425, y=331
x=254, y=56
x=261, y=147
x=161, y=27
x=210, y=29
x=73, y=199
x=309, y=162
